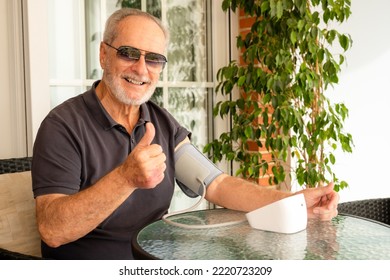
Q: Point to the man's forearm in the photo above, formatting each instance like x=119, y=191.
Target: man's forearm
x=65, y=218
x=239, y=194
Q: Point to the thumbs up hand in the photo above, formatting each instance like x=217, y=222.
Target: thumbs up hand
x=148, y=136
x=145, y=166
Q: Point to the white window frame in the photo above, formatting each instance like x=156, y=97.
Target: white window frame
x=17, y=96
x=35, y=17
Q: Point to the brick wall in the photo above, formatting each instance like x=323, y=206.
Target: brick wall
x=244, y=26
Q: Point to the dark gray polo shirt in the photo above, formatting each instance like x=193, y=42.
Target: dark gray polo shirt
x=78, y=143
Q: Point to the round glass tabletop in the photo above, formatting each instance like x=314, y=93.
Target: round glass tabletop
x=344, y=237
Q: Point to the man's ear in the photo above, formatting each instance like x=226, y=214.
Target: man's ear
x=102, y=55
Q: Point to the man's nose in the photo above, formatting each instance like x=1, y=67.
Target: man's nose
x=140, y=65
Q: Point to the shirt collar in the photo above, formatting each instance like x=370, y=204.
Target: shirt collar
x=96, y=108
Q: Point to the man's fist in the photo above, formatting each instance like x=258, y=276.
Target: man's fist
x=144, y=167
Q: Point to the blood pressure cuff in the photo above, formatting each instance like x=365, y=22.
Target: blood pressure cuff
x=193, y=171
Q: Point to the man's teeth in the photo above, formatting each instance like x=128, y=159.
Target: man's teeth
x=134, y=81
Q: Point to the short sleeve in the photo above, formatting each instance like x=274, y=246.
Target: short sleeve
x=56, y=161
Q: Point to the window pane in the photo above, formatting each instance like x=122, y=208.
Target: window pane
x=152, y=6
x=60, y=94
x=188, y=105
x=64, y=39
x=93, y=37
x=187, y=50
x=158, y=97
x=136, y=4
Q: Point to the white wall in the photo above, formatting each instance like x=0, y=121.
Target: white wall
x=13, y=139
x=364, y=89
x=6, y=147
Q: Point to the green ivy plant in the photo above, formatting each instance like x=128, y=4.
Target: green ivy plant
x=282, y=105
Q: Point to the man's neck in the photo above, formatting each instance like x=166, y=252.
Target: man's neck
x=126, y=115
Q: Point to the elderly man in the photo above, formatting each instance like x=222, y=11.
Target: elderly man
x=104, y=161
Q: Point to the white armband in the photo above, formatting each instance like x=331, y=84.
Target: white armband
x=194, y=172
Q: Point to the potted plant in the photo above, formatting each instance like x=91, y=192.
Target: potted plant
x=282, y=108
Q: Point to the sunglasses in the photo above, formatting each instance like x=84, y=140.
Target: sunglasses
x=154, y=62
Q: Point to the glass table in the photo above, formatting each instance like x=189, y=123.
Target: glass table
x=342, y=238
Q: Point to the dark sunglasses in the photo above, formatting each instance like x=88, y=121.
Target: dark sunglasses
x=154, y=62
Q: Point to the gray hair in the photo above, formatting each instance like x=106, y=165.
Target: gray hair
x=112, y=22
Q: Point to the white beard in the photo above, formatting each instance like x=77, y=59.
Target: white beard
x=120, y=93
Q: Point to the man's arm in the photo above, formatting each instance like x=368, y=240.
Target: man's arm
x=65, y=218
x=239, y=194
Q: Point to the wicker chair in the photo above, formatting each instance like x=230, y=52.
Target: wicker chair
x=19, y=238
x=13, y=165
x=377, y=209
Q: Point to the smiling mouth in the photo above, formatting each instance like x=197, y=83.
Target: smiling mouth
x=131, y=81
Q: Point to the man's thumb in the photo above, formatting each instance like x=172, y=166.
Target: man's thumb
x=148, y=136
x=328, y=188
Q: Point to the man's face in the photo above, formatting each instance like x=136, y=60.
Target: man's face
x=132, y=83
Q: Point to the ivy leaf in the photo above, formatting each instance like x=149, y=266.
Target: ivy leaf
x=293, y=37
x=279, y=9
x=344, y=42
x=249, y=132
x=264, y=6
x=332, y=159
x=241, y=81
x=241, y=104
